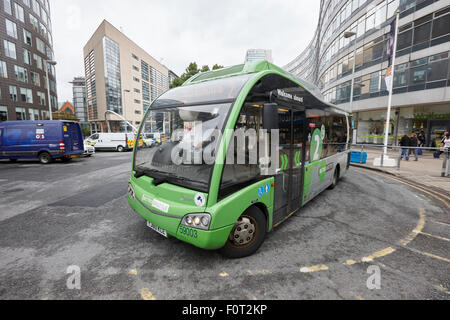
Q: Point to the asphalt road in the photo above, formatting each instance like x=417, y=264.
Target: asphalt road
x=76, y=214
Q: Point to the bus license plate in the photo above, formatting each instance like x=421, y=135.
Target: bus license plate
x=157, y=229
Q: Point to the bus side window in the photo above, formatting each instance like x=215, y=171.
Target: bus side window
x=1, y=137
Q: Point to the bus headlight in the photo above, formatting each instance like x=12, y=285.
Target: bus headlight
x=131, y=193
x=197, y=220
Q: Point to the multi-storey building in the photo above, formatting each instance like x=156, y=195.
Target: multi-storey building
x=348, y=58
x=258, y=55
x=120, y=77
x=26, y=44
x=79, y=98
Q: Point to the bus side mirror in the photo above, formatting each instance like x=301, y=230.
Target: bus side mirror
x=270, y=117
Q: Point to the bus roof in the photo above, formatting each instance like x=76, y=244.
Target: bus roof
x=256, y=67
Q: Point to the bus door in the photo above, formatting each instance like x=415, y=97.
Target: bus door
x=283, y=181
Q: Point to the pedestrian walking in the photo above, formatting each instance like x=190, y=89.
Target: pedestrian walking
x=404, y=142
x=414, y=143
x=446, y=142
x=422, y=140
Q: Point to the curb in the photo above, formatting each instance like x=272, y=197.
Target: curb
x=437, y=189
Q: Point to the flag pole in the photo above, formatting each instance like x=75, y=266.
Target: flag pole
x=391, y=90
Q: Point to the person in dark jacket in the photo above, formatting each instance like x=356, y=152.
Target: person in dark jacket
x=404, y=142
x=422, y=140
x=413, y=143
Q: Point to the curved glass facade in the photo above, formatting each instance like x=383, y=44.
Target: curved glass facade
x=26, y=42
x=347, y=60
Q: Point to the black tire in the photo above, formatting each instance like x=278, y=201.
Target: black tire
x=120, y=149
x=258, y=220
x=45, y=158
x=335, y=179
x=13, y=160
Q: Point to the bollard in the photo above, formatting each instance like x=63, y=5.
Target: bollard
x=399, y=159
x=362, y=152
x=444, y=164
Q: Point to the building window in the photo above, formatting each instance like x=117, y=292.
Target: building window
x=41, y=98
x=26, y=95
x=13, y=93
x=3, y=70
x=136, y=79
x=34, y=23
x=38, y=60
x=7, y=6
x=112, y=75
x=11, y=28
x=27, y=37
x=20, y=114
x=10, y=49
x=135, y=68
x=21, y=74
x=19, y=14
x=27, y=56
x=135, y=57
x=40, y=45
x=3, y=113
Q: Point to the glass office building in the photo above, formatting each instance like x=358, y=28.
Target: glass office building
x=348, y=58
x=120, y=77
x=26, y=42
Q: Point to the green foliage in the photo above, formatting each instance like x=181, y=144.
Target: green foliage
x=86, y=131
x=191, y=71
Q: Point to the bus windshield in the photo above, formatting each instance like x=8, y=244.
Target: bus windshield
x=188, y=122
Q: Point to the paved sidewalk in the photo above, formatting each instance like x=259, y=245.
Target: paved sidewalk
x=427, y=171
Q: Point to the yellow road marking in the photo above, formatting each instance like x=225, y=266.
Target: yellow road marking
x=147, y=295
x=314, y=269
x=356, y=296
x=433, y=236
x=379, y=254
x=133, y=272
x=223, y=274
x=350, y=262
x=417, y=230
x=441, y=223
x=442, y=288
x=432, y=256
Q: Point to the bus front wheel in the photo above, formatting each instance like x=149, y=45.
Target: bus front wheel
x=247, y=235
x=336, y=178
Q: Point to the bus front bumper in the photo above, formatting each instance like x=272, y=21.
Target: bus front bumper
x=203, y=239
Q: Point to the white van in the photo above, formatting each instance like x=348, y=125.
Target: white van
x=112, y=141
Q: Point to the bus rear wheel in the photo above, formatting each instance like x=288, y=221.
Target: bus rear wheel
x=247, y=235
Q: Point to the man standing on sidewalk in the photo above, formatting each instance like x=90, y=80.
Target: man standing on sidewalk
x=405, y=144
x=414, y=143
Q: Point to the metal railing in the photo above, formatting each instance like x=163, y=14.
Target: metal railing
x=406, y=150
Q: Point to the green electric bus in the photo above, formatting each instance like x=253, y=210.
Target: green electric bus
x=213, y=203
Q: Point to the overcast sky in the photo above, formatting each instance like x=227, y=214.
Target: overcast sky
x=178, y=32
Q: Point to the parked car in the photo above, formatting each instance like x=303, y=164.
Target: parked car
x=112, y=141
x=150, y=139
x=89, y=150
x=43, y=140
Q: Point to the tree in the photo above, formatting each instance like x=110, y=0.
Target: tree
x=191, y=71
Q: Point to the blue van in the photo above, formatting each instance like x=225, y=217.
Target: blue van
x=43, y=140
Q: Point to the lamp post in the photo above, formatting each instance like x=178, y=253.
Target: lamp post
x=47, y=63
